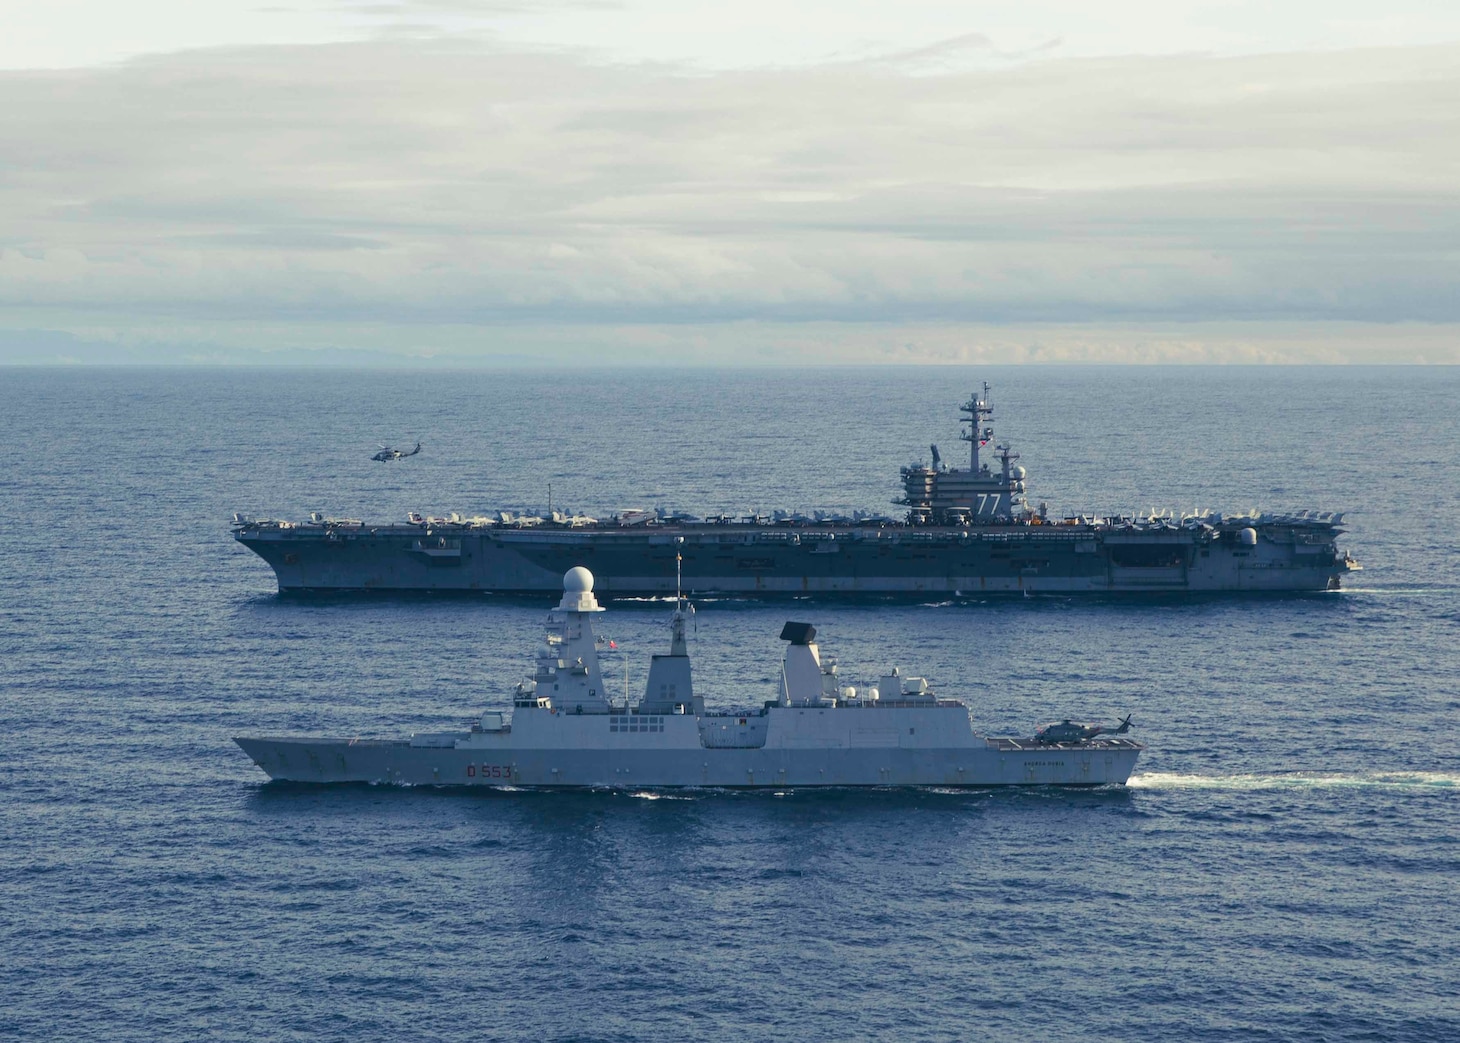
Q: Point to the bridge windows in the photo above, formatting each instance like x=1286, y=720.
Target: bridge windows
x=636, y=723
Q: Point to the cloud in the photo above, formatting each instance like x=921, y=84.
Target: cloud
x=395, y=8
x=954, y=53
x=279, y=343
x=435, y=184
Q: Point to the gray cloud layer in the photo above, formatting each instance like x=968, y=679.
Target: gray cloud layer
x=426, y=184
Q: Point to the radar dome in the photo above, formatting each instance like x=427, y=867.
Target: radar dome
x=577, y=580
x=1018, y=474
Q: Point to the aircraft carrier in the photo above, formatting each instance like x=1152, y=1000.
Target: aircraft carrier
x=966, y=531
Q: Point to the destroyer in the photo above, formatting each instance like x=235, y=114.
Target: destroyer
x=969, y=531
x=565, y=731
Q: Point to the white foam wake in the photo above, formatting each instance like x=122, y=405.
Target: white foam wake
x=649, y=794
x=1297, y=780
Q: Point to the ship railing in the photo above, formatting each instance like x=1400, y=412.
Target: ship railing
x=896, y=704
x=1099, y=742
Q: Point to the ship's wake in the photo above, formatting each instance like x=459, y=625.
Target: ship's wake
x=1160, y=781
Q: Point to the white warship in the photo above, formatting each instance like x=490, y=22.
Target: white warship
x=566, y=731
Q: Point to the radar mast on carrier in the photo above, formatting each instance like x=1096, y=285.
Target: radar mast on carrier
x=978, y=496
x=974, y=412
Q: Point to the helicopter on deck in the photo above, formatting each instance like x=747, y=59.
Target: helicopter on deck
x=1069, y=731
x=387, y=453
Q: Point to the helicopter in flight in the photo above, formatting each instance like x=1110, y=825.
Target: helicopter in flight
x=387, y=453
x=1068, y=731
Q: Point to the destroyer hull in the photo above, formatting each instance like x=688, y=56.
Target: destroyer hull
x=755, y=561
x=995, y=762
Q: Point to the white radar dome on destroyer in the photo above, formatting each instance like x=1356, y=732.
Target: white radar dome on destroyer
x=578, y=591
x=577, y=580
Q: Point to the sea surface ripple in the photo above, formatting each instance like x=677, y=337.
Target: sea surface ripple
x=1283, y=866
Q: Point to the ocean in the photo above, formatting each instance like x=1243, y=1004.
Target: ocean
x=1283, y=866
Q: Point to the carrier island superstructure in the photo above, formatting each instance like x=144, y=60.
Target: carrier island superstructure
x=964, y=531
x=565, y=730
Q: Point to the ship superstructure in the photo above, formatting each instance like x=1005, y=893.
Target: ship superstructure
x=942, y=496
x=566, y=730
x=965, y=531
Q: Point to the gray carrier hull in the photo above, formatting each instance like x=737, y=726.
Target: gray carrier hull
x=1275, y=554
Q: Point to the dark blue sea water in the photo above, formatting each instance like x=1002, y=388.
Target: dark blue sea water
x=1284, y=865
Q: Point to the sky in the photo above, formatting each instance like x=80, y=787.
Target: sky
x=471, y=182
